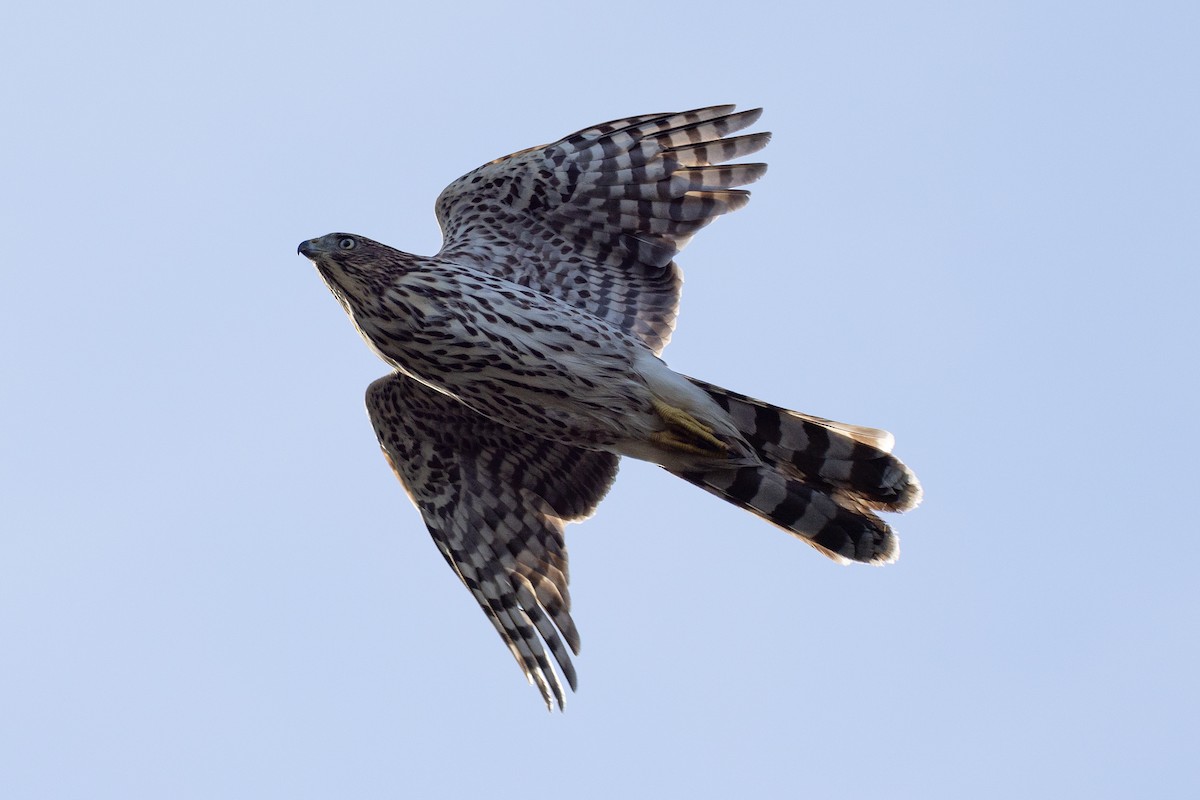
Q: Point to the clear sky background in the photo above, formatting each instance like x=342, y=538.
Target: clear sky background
x=979, y=230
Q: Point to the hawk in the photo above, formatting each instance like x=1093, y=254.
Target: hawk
x=526, y=363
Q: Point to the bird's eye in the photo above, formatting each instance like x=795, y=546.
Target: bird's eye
x=347, y=243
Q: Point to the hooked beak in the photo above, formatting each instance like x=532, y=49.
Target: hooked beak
x=307, y=249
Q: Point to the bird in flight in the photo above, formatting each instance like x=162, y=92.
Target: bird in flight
x=525, y=359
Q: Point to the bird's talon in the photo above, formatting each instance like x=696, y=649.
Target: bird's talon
x=685, y=432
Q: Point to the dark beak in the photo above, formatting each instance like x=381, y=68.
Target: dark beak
x=306, y=249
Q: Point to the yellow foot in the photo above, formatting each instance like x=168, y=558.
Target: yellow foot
x=685, y=432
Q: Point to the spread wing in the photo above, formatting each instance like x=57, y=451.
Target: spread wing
x=495, y=501
x=597, y=218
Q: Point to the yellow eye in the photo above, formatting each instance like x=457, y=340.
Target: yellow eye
x=347, y=243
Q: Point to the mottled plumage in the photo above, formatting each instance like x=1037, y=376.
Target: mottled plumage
x=526, y=362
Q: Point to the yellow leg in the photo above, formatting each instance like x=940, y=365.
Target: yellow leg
x=685, y=432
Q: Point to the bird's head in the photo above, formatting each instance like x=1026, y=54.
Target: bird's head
x=354, y=267
x=346, y=249
x=350, y=261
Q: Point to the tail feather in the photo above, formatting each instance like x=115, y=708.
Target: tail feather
x=807, y=513
x=819, y=480
x=851, y=463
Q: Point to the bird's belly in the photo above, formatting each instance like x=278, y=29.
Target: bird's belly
x=593, y=403
x=571, y=411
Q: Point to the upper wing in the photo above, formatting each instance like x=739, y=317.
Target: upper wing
x=495, y=501
x=597, y=218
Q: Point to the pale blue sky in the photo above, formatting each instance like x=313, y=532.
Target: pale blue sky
x=979, y=230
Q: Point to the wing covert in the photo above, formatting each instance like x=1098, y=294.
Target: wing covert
x=597, y=218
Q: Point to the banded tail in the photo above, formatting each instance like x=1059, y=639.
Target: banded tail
x=819, y=480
